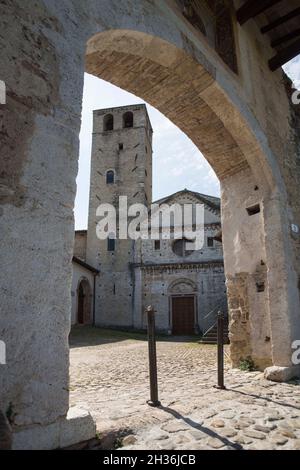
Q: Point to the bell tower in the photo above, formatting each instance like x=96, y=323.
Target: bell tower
x=121, y=166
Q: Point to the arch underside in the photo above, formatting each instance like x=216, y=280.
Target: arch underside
x=172, y=81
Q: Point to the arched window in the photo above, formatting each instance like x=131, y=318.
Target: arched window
x=108, y=122
x=110, y=177
x=180, y=248
x=128, y=119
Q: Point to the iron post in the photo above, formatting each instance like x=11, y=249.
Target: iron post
x=220, y=351
x=152, y=358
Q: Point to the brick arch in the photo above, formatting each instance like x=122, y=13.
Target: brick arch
x=173, y=81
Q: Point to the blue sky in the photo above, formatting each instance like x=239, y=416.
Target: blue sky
x=177, y=163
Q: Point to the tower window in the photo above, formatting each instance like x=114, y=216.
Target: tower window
x=157, y=245
x=110, y=177
x=121, y=146
x=253, y=210
x=128, y=119
x=210, y=241
x=180, y=248
x=111, y=244
x=108, y=122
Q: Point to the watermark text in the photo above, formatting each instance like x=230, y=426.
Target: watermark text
x=296, y=353
x=2, y=353
x=137, y=221
x=2, y=92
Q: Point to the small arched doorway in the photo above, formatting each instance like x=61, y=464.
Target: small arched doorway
x=83, y=302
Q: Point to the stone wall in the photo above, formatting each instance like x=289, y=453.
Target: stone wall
x=156, y=290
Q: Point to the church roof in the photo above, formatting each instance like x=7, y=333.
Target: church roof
x=211, y=201
x=85, y=265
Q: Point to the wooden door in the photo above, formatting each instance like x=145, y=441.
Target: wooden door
x=183, y=316
x=80, y=313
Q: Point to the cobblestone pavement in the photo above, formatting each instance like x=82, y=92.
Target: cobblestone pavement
x=109, y=376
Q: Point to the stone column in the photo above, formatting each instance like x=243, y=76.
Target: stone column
x=43, y=71
x=283, y=290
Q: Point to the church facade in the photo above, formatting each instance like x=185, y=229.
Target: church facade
x=186, y=287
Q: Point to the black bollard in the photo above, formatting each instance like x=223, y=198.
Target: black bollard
x=152, y=358
x=221, y=351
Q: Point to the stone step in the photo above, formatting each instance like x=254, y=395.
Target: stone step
x=212, y=336
x=212, y=341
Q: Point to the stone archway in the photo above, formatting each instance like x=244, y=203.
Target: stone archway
x=84, y=303
x=243, y=123
x=182, y=84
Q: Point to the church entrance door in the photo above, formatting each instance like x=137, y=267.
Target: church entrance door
x=183, y=315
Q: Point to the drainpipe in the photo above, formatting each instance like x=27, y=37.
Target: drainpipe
x=94, y=299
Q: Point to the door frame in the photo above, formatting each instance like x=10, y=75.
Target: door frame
x=173, y=296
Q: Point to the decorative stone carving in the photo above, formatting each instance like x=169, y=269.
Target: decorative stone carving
x=183, y=286
x=5, y=433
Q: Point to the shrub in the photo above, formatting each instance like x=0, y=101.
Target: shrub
x=247, y=364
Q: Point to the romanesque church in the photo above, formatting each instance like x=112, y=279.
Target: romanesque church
x=114, y=280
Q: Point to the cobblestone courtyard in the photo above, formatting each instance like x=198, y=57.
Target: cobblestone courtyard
x=109, y=377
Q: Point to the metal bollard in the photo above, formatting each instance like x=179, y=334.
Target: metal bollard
x=221, y=351
x=152, y=358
